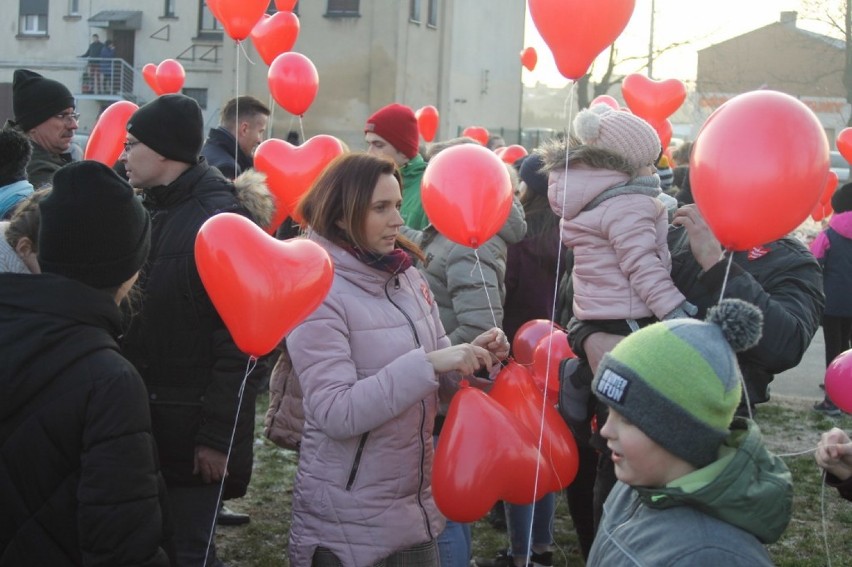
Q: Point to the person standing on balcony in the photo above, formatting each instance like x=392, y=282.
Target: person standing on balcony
x=107, y=56
x=94, y=68
x=45, y=111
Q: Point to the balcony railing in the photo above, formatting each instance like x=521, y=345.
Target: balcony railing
x=108, y=77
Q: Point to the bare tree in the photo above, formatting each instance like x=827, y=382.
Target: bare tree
x=837, y=14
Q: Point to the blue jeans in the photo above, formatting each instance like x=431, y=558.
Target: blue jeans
x=193, y=509
x=519, y=517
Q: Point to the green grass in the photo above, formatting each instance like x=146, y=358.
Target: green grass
x=788, y=426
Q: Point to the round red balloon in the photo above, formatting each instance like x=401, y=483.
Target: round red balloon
x=149, y=73
x=467, y=194
x=527, y=337
x=550, y=351
x=577, y=31
x=838, y=381
x=779, y=150
x=513, y=153
x=844, y=143
x=170, y=76
x=427, y=122
x=275, y=34
x=291, y=170
x=107, y=139
x=607, y=100
x=652, y=100
x=294, y=82
x=238, y=17
x=261, y=287
x=529, y=58
x=285, y=5
x=478, y=133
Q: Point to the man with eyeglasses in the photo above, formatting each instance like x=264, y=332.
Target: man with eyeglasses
x=45, y=111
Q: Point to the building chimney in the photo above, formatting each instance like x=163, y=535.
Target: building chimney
x=788, y=18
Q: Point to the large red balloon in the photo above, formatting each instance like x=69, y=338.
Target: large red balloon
x=478, y=133
x=779, y=151
x=548, y=354
x=427, y=122
x=577, y=31
x=844, y=143
x=513, y=153
x=294, y=82
x=290, y=170
x=652, y=100
x=483, y=455
x=467, y=194
x=607, y=100
x=527, y=337
x=170, y=76
x=285, y=5
x=529, y=58
x=262, y=287
x=149, y=73
x=838, y=381
x=514, y=389
x=107, y=139
x=275, y=34
x=238, y=17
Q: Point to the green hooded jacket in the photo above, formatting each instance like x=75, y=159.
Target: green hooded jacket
x=412, y=206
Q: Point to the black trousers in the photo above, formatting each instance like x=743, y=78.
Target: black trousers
x=837, y=332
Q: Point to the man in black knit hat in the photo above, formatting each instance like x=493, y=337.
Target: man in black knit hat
x=45, y=111
x=178, y=342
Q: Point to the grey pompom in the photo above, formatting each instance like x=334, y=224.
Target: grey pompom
x=587, y=124
x=740, y=321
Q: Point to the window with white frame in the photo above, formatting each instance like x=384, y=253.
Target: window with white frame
x=207, y=24
x=169, y=9
x=414, y=10
x=433, y=13
x=33, y=17
x=73, y=7
x=343, y=8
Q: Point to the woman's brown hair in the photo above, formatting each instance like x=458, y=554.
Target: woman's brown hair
x=344, y=192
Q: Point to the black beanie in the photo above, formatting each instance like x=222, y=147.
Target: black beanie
x=171, y=125
x=841, y=201
x=35, y=98
x=532, y=175
x=93, y=227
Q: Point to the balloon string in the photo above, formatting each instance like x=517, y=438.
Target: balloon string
x=302, y=127
x=727, y=273
x=237, y=107
x=270, y=133
x=824, y=523
x=250, y=365
x=484, y=285
x=243, y=48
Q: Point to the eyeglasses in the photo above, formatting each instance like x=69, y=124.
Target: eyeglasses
x=68, y=117
x=129, y=145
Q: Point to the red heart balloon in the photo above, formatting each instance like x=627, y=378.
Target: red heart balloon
x=483, y=455
x=427, y=122
x=844, y=143
x=149, y=73
x=830, y=186
x=478, y=133
x=170, y=76
x=529, y=58
x=527, y=337
x=548, y=354
x=779, y=150
x=238, y=17
x=107, y=139
x=274, y=35
x=285, y=5
x=650, y=99
x=291, y=170
x=514, y=390
x=513, y=153
x=577, y=31
x=663, y=128
x=262, y=287
x=605, y=99
x=293, y=82
x=467, y=194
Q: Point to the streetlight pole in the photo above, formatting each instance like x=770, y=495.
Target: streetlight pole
x=651, y=44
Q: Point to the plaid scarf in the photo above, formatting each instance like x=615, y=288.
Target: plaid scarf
x=393, y=263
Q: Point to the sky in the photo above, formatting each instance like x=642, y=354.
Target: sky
x=704, y=22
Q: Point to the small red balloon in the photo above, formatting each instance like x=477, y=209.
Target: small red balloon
x=529, y=58
x=467, y=194
x=844, y=143
x=170, y=76
x=107, y=139
x=513, y=153
x=478, y=133
x=652, y=100
x=663, y=128
x=261, y=287
x=285, y=5
x=294, y=82
x=550, y=351
x=149, y=73
x=527, y=337
x=838, y=381
x=238, y=17
x=607, y=100
x=275, y=34
x=427, y=122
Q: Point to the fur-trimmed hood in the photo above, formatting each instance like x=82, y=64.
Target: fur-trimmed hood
x=253, y=194
x=553, y=155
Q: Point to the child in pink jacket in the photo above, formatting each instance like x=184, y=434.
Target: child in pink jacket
x=608, y=197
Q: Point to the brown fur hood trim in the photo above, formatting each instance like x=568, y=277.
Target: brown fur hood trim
x=553, y=155
x=253, y=194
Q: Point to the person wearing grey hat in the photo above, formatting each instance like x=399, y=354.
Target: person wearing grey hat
x=45, y=111
x=178, y=342
x=80, y=482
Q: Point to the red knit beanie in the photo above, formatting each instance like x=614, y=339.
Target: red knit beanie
x=396, y=124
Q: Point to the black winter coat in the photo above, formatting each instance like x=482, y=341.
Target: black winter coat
x=79, y=480
x=178, y=342
x=219, y=151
